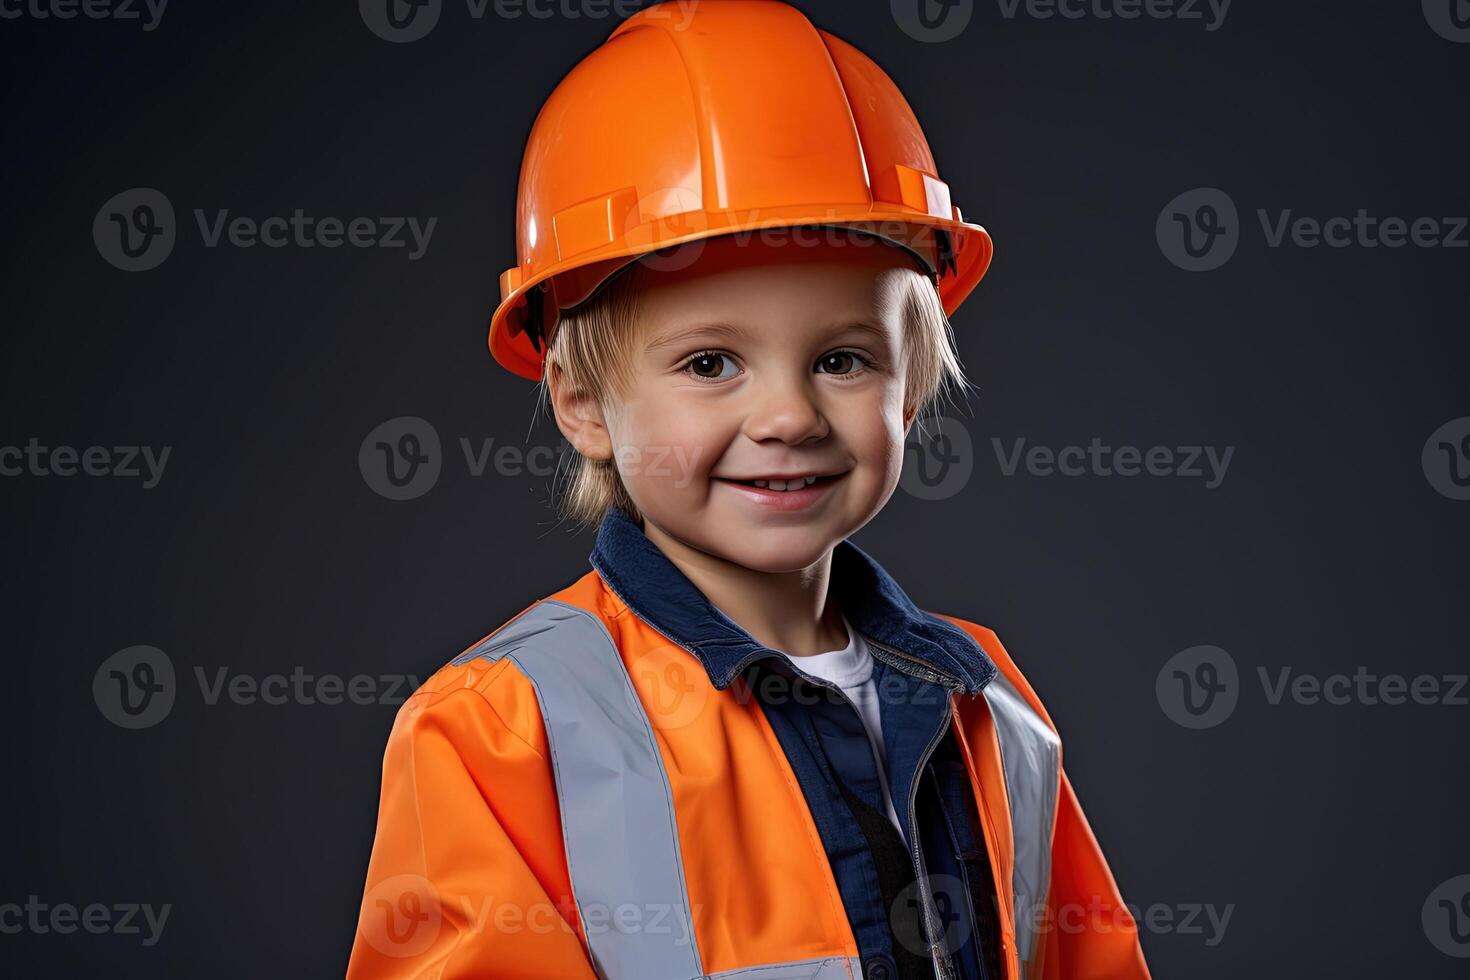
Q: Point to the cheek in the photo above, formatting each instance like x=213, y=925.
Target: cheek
x=876, y=433
x=659, y=442
x=893, y=451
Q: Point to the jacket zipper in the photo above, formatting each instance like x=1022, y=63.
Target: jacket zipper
x=912, y=664
x=943, y=964
x=931, y=914
x=974, y=917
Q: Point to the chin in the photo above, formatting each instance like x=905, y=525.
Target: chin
x=773, y=549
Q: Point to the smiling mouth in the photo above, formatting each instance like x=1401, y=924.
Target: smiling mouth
x=795, y=483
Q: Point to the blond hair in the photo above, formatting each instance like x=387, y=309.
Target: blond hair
x=591, y=348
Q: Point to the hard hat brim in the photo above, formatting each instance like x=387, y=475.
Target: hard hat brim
x=575, y=279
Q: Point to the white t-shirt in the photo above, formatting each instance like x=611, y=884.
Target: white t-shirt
x=851, y=669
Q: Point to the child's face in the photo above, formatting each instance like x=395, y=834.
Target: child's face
x=805, y=378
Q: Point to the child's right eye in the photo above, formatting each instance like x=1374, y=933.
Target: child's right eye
x=705, y=361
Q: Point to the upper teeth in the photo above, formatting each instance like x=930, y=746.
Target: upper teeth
x=793, y=484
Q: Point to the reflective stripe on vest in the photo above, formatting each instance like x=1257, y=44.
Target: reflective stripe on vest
x=617, y=808
x=836, y=968
x=1030, y=754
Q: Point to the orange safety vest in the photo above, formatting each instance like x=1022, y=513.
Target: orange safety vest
x=572, y=797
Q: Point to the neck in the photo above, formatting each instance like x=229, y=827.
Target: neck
x=785, y=611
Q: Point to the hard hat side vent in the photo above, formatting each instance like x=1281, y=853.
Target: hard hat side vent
x=594, y=223
x=915, y=189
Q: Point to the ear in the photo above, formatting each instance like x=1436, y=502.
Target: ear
x=909, y=415
x=578, y=415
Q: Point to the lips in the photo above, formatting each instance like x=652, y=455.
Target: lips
x=793, y=494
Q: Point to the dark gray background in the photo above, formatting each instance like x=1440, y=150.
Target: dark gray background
x=263, y=548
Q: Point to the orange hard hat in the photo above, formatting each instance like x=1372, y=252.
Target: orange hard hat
x=706, y=118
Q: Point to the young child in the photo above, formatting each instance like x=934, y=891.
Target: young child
x=734, y=747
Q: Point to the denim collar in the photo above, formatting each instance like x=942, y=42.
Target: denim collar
x=661, y=595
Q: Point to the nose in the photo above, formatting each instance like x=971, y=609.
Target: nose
x=785, y=409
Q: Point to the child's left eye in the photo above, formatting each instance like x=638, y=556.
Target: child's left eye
x=845, y=361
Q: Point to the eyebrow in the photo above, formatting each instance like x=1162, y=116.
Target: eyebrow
x=688, y=332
